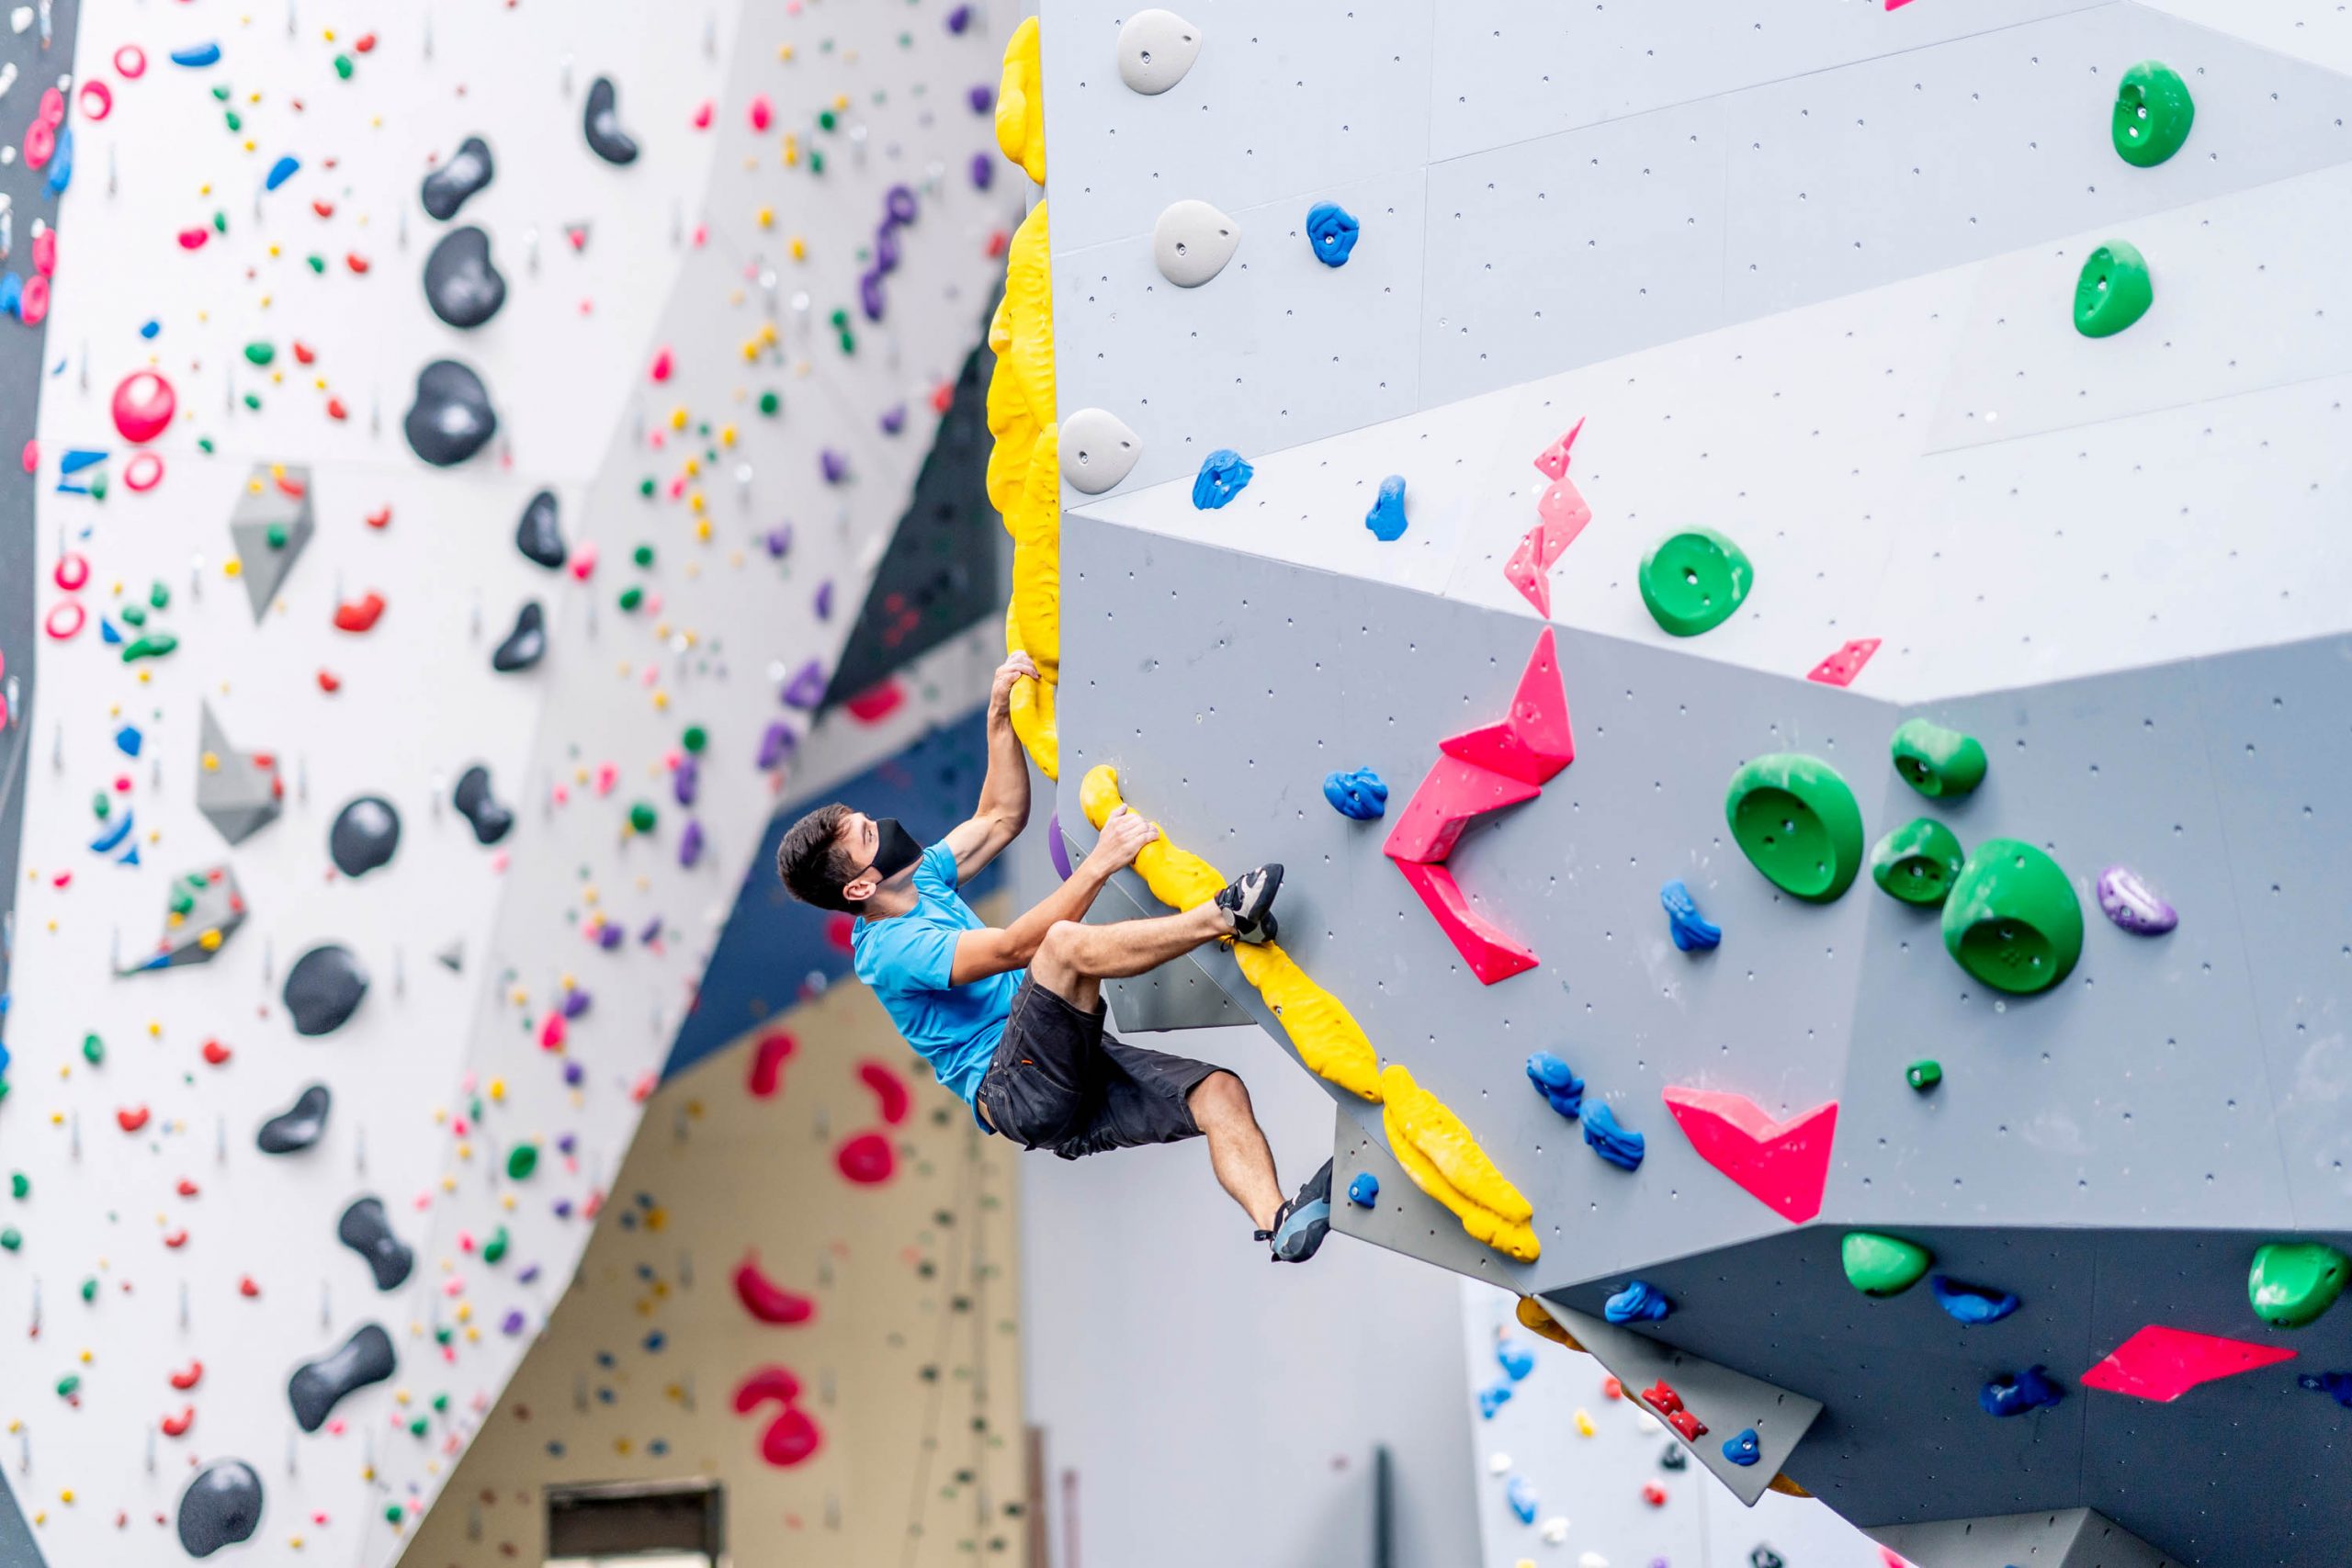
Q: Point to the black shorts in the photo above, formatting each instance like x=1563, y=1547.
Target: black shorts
x=1058, y=1082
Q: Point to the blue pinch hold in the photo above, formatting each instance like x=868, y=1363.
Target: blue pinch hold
x=1360, y=795
x=1493, y=1399
x=198, y=54
x=1690, y=929
x=1554, y=1081
x=107, y=634
x=1365, y=1191
x=280, y=172
x=128, y=741
x=1639, y=1302
x=1744, y=1450
x=1386, y=518
x=61, y=162
x=1621, y=1147
x=80, y=457
x=2335, y=1386
x=1516, y=1359
x=105, y=843
x=1520, y=1493
x=1225, y=473
x=149, y=328
x=2014, y=1395
x=1330, y=233
x=1970, y=1304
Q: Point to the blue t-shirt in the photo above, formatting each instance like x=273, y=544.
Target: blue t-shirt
x=906, y=960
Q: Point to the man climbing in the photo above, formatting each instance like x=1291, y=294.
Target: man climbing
x=1011, y=1018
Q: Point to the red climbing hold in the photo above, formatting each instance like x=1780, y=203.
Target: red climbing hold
x=186, y=1379
x=767, y=1300
x=767, y=1064
x=361, y=614
x=1536, y=741
x=868, y=1159
x=1491, y=956
x=661, y=366
x=889, y=1091
x=792, y=1437
x=177, y=1426
x=1662, y=1398
x=380, y=519
x=2162, y=1364
x=215, y=1053
x=1782, y=1165
x=1689, y=1426
x=878, y=701
x=1454, y=792
x=1840, y=668
x=143, y=406
x=132, y=1119
x=1653, y=1495
x=175, y=1239
x=245, y=1286
x=329, y=681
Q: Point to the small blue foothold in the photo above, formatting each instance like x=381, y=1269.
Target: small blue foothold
x=12, y=293
x=1330, y=233
x=198, y=54
x=1621, y=1147
x=280, y=172
x=1516, y=1359
x=1640, y=1301
x=61, y=162
x=1744, y=1450
x=1970, y=1304
x=1493, y=1399
x=149, y=329
x=2028, y=1389
x=1690, y=928
x=2335, y=1386
x=106, y=842
x=1520, y=1493
x=1223, y=475
x=1554, y=1080
x=1360, y=795
x=1365, y=1191
x=128, y=740
x=1386, y=518
x=77, y=458
x=106, y=633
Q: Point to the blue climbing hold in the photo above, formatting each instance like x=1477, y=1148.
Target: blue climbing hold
x=128, y=741
x=2335, y=1386
x=1365, y=1191
x=1640, y=1301
x=1970, y=1304
x=2028, y=1389
x=1493, y=1399
x=1516, y=1359
x=1690, y=929
x=1744, y=1450
x=1330, y=233
x=1360, y=795
x=198, y=54
x=106, y=633
x=1224, y=474
x=1520, y=1493
x=109, y=841
x=280, y=172
x=12, y=293
x=149, y=329
x=1555, y=1083
x=61, y=162
x=1386, y=518
x=1621, y=1147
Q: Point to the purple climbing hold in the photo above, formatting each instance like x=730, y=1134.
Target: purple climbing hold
x=899, y=203
x=651, y=932
x=869, y=299
x=959, y=18
x=807, y=688
x=983, y=171
x=609, y=936
x=894, y=419
x=775, y=744
x=982, y=97
x=685, y=781
x=833, y=466
x=576, y=1001
x=512, y=1322
x=2130, y=904
x=574, y=1075
x=778, y=540
x=825, y=600
x=2335, y=1386
x=886, y=248
x=2028, y=1389
x=1055, y=848
x=690, y=843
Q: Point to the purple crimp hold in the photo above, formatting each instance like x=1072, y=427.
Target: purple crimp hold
x=2128, y=901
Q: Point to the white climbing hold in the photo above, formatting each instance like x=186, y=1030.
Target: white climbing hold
x=1499, y=1464
x=1097, y=450
x=1192, y=242
x=1592, y=1560
x=1556, y=1530
x=1156, y=48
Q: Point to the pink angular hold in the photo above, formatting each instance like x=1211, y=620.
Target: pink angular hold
x=1554, y=460
x=1491, y=956
x=1782, y=1165
x=1564, y=515
x=1454, y=792
x=1536, y=741
x=1533, y=582
x=2162, y=1364
x=1840, y=668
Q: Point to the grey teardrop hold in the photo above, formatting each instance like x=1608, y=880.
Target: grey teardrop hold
x=220, y=1507
x=527, y=644
x=323, y=989
x=447, y=187
x=538, y=532
x=602, y=122
x=299, y=1126
x=368, y=1231
x=479, y=806
x=461, y=283
x=450, y=417
x=317, y=1387
x=365, y=834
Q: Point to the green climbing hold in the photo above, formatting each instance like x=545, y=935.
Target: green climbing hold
x=2152, y=114
x=153, y=646
x=418, y=1428
x=1794, y=818
x=1883, y=1265
x=816, y=162
x=394, y=1513
x=441, y=1402
x=68, y=1384
x=521, y=1160
x=1918, y=862
x=1937, y=761
x=770, y=404
x=19, y=1184
x=2113, y=291
x=316, y=262
x=696, y=738
x=157, y=595
x=645, y=485
x=641, y=818
x=1923, y=1074
x=495, y=1247
x=93, y=1051
x=11, y=1239
x=1693, y=580
x=258, y=352
x=2013, y=919
x=2293, y=1281
x=135, y=615
x=343, y=66
x=89, y=1290
x=826, y=120
x=642, y=555
x=632, y=597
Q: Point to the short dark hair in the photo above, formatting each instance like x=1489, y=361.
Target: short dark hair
x=812, y=865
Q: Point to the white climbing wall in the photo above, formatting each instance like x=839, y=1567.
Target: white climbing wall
x=647, y=309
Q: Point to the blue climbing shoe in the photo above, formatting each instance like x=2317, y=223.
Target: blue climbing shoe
x=1301, y=1224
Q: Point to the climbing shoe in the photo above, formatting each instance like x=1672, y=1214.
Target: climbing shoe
x=1301, y=1224
x=1250, y=899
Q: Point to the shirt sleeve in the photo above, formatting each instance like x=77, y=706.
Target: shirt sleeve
x=937, y=865
x=916, y=955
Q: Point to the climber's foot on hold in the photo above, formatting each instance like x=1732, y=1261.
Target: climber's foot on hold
x=1250, y=899
x=1302, y=1222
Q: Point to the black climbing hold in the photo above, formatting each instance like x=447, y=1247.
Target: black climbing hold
x=451, y=419
x=324, y=988
x=298, y=1126
x=1673, y=1457
x=468, y=171
x=461, y=283
x=478, y=806
x=367, y=1231
x=603, y=124
x=317, y=1387
x=364, y=834
x=539, y=534
x=527, y=644
x=220, y=1507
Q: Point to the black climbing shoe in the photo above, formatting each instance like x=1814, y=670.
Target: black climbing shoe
x=1250, y=898
x=1301, y=1224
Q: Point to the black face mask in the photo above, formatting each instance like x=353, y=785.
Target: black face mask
x=895, y=850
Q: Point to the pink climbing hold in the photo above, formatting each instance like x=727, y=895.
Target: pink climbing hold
x=890, y=1096
x=767, y=1064
x=1553, y=461
x=1454, y=792
x=1536, y=741
x=792, y=1437
x=1563, y=516
x=2162, y=1364
x=868, y=1159
x=1840, y=668
x=878, y=701
x=32, y=305
x=1491, y=956
x=1782, y=1165
x=143, y=406
x=661, y=365
x=767, y=1300
x=762, y=111
x=45, y=253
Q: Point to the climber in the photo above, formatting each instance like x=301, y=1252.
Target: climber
x=1011, y=1018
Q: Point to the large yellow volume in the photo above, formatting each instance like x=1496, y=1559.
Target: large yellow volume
x=1020, y=103
x=1444, y=1161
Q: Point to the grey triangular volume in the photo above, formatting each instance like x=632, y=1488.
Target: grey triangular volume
x=276, y=496
x=17, y=1547
x=454, y=956
x=201, y=903
x=238, y=791
x=2063, y=1537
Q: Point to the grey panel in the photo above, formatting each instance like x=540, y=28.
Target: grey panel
x=2068, y=1537
x=1177, y=995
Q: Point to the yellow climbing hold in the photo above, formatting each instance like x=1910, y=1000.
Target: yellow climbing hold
x=1535, y=1320
x=1324, y=1033
x=1025, y=481
x=1444, y=1161
x=1020, y=103
x=1584, y=1424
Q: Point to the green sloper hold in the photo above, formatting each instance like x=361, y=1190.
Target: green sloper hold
x=2013, y=919
x=2152, y=114
x=1795, y=818
x=1693, y=580
x=521, y=1160
x=1937, y=761
x=1923, y=1074
x=1918, y=862
x=2113, y=290
x=2293, y=1281
x=1883, y=1265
